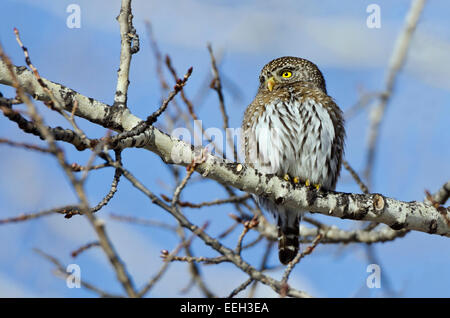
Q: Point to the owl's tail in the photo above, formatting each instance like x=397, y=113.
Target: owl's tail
x=288, y=234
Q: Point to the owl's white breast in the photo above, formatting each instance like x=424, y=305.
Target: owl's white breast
x=295, y=139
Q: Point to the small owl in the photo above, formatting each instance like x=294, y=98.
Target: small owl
x=295, y=130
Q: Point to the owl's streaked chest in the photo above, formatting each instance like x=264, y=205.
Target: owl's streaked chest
x=292, y=136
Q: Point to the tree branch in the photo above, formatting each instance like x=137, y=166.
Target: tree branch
x=371, y=207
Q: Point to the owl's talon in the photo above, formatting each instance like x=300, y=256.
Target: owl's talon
x=317, y=186
x=296, y=180
x=286, y=177
x=307, y=183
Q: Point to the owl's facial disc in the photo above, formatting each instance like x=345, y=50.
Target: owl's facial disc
x=270, y=83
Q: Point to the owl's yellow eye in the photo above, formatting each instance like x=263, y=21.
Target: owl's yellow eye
x=286, y=74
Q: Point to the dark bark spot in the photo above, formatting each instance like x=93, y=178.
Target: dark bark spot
x=311, y=197
x=110, y=114
x=433, y=227
x=20, y=69
x=361, y=214
x=343, y=202
x=398, y=226
x=119, y=105
x=62, y=86
x=67, y=96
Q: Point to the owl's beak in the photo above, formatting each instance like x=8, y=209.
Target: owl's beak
x=270, y=83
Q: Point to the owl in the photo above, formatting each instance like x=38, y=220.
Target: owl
x=294, y=130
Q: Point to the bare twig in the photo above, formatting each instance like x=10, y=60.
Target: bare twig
x=216, y=84
x=167, y=257
x=76, y=167
x=30, y=127
x=248, y=225
x=363, y=101
x=134, y=220
x=441, y=196
x=62, y=271
x=194, y=268
x=262, y=267
x=113, y=188
x=190, y=170
x=26, y=217
x=83, y=248
x=190, y=259
x=232, y=199
x=240, y=288
x=355, y=176
x=436, y=204
x=128, y=36
x=299, y=256
x=53, y=103
x=24, y=145
x=182, y=93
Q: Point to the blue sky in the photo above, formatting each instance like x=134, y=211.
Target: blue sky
x=414, y=152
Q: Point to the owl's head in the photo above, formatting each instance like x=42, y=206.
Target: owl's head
x=288, y=70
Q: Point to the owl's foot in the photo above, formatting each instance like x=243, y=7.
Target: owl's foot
x=315, y=185
x=294, y=180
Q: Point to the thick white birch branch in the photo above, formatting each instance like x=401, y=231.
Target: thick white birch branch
x=397, y=214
